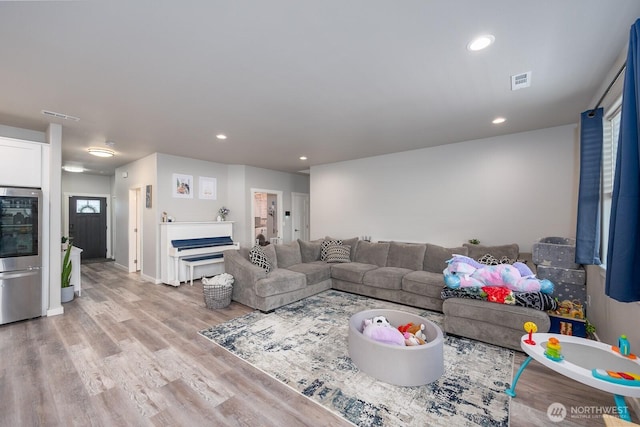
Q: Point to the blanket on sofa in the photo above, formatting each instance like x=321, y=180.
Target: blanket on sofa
x=535, y=300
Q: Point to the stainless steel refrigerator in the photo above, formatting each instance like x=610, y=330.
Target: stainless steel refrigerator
x=20, y=254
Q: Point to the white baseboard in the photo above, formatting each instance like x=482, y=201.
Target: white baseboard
x=147, y=278
x=55, y=311
x=121, y=267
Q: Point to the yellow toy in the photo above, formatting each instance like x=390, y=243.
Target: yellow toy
x=531, y=328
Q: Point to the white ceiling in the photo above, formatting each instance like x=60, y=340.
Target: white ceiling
x=332, y=80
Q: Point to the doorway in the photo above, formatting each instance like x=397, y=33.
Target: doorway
x=135, y=226
x=88, y=226
x=266, y=215
x=300, y=216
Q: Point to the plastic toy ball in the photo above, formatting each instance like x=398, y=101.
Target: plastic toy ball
x=531, y=328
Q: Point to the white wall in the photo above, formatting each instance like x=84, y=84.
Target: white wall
x=509, y=189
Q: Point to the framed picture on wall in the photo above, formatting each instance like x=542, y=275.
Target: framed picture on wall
x=182, y=186
x=207, y=188
x=148, y=196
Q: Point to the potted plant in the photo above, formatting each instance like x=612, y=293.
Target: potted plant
x=67, y=287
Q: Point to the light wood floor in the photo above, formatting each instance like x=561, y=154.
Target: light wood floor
x=127, y=353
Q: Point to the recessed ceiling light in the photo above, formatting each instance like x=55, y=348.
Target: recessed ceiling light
x=221, y=136
x=303, y=157
x=101, y=152
x=481, y=42
x=76, y=169
x=498, y=120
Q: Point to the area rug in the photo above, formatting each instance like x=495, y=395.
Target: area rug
x=305, y=345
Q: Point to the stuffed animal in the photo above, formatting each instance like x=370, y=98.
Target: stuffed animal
x=411, y=340
x=465, y=272
x=379, y=329
x=416, y=330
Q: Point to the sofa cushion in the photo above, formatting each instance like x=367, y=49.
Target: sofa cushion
x=351, y=271
x=372, y=253
x=315, y=271
x=270, y=251
x=259, y=258
x=406, y=255
x=423, y=283
x=478, y=251
x=310, y=251
x=385, y=277
x=288, y=254
x=436, y=257
x=353, y=242
x=280, y=281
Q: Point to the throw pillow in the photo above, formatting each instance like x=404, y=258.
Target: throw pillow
x=338, y=253
x=325, y=245
x=259, y=258
x=489, y=259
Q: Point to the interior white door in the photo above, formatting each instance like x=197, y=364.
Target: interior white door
x=300, y=216
x=134, y=233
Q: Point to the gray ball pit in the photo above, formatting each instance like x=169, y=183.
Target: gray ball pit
x=404, y=366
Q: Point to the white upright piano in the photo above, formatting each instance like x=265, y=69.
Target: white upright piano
x=181, y=241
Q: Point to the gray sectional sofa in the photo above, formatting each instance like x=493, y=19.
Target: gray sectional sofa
x=406, y=273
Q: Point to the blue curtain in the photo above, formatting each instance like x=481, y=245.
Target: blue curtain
x=623, y=258
x=588, y=229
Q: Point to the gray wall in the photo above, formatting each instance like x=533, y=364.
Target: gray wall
x=509, y=189
x=19, y=133
x=272, y=180
x=233, y=191
x=138, y=174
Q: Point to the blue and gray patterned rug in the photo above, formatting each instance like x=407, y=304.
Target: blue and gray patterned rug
x=304, y=345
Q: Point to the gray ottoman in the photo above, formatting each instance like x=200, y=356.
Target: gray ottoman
x=490, y=322
x=404, y=366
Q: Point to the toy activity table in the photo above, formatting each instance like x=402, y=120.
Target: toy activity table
x=593, y=363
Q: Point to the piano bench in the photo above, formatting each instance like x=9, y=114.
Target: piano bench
x=196, y=261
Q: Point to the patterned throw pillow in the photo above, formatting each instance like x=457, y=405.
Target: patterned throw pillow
x=338, y=253
x=489, y=259
x=259, y=258
x=325, y=245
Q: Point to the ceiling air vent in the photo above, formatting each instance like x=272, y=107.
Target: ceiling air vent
x=520, y=81
x=60, y=115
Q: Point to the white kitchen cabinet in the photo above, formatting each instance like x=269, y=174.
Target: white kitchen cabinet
x=20, y=163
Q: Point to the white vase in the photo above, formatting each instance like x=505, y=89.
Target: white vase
x=219, y=218
x=67, y=294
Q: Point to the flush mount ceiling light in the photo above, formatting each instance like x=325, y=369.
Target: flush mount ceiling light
x=303, y=157
x=75, y=169
x=498, y=120
x=101, y=152
x=481, y=42
x=221, y=136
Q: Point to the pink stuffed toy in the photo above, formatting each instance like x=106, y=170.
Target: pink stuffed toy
x=380, y=330
x=464, y=272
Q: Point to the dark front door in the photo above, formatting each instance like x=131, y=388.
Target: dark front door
x=88, y=225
